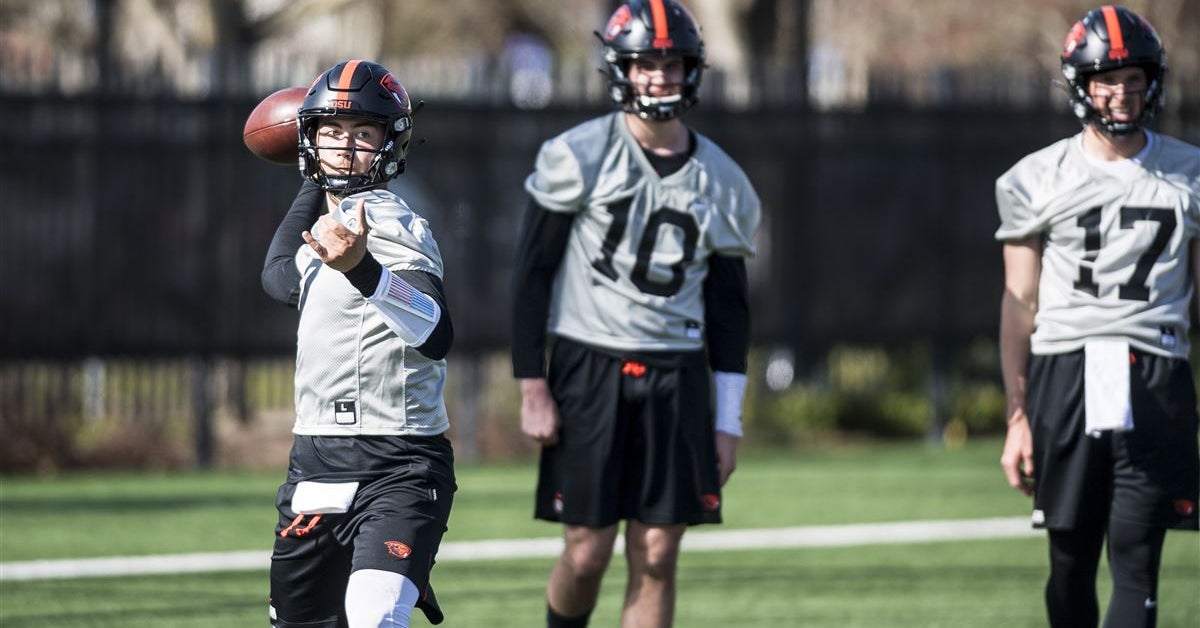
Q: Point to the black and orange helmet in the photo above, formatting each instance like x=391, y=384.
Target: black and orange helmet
x=357, y=89
x=642, y=28
x=1108, y=38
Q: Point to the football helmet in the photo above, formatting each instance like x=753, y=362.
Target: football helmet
x=356, y=89
x=1107, y=38
x=641, y=28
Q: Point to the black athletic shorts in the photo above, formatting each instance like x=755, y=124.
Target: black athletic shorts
x=395, y=522
x=636, y=440
x=1149, y=475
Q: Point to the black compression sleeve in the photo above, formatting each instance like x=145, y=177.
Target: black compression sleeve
x=365, y=275
x=540, y=249
x=280, y=279
x=727, y=313
x=442, y=337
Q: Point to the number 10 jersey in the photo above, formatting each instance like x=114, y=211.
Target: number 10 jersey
x=632, y=275
x=1115, y=249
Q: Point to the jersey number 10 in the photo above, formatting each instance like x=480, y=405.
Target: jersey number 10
x=640, y=276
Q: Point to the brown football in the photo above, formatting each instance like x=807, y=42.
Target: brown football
x=270, y=131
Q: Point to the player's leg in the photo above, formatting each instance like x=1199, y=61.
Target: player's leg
x=575, y=580
x=1134, y=556
x=1155, y=469
x=1071, y=588
x=1073, y=486
x=401, y=519
x=578, y=478
x=308, y=572
x=673, y=479
x=652, y=554
x=379, y=599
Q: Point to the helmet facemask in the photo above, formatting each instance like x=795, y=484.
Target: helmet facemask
x=1084, y=107
x=384, y=164
x=624, y=92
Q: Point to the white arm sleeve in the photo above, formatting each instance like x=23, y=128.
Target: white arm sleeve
x=410, y=313
x=731, y=390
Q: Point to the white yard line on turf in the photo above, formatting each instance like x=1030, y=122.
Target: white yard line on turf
x=696, y=541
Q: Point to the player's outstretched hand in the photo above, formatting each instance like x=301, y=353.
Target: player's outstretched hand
x=339, y=246
x=1017, y=459
x=539, y=413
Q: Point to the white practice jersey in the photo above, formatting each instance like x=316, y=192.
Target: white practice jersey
x=1115, y=260
x=633, y=272
x=354, y=376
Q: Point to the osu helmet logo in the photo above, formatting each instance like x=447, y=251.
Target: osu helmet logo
x=617, y=22
x=1074, y=38
x=398, y=549
x=394, y=88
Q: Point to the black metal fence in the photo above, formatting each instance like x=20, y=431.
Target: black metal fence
x=136, y=228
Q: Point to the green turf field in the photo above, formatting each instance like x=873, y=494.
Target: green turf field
x=966, y=583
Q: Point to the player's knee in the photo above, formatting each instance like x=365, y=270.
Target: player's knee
x=654, y=553
x=588, y=563
x=587, y=560
x=587, y=551
x=379, y=599
x=1135, y=554
x=659, y=563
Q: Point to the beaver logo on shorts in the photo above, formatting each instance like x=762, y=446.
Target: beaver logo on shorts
x=710, y=501
x=398, y=549
x=1185, y=507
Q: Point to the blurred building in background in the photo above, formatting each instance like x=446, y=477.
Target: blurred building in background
x=825, y=53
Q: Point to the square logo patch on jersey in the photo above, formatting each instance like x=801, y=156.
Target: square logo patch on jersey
x=1166, y=337
x=345, y=412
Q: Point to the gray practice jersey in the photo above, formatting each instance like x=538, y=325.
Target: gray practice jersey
x=1115, y=260
x=633, y=272
x=353, y=374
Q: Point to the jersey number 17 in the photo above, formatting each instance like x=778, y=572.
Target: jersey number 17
x=1137, y=288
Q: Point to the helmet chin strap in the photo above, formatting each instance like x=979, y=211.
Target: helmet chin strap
x=651, y=101
x=1117, y=129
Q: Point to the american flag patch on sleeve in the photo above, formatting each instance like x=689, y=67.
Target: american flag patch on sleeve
x=411, y=299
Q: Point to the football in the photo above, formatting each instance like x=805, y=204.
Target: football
x=270, y=131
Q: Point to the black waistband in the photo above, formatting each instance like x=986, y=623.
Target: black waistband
x=660, y=359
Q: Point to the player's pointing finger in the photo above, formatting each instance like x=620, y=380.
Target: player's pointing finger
x=360, y=210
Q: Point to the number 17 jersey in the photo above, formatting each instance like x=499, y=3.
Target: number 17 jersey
x=1116, y=258
x=632, y=275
